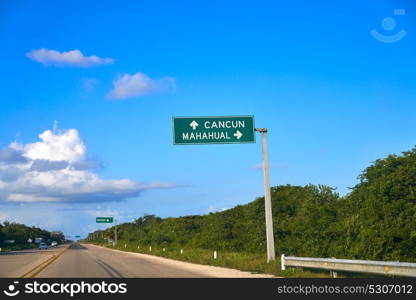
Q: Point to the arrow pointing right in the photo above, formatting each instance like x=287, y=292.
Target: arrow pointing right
x=238, y=134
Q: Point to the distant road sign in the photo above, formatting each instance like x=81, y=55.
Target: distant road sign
x=213, y=130
x=104, y=220
x=77, y=236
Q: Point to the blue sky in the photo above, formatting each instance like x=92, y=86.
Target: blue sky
x=333, y=97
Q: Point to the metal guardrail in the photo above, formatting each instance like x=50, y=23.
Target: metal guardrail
x=350, y=265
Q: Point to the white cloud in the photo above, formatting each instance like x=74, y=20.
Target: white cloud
x=56, y=169
x=213, y=209
x=73, y=58
x=30, y=198
x=139, y=84
x=54, y=146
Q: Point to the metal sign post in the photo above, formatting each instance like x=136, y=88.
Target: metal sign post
x=115, y=232
x=228, y=130
x=108, y=220
x=267, y=197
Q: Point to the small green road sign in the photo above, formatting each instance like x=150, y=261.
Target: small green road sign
x=104, y=220
x=213, y=130
x=77, y=236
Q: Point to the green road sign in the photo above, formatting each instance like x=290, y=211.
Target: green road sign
x=104, y=220
x=77, y=236
x=213, y=130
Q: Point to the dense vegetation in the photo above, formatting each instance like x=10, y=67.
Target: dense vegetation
x=376, y=220
x=20, y=234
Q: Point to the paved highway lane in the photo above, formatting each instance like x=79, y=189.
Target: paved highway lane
x=17, y=263
x=93, y=261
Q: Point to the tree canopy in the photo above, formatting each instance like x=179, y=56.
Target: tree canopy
x=376, y=220
x=21, y=233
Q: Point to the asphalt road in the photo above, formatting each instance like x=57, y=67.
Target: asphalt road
x=89, y=261
x=92, y=261
x=16, y=263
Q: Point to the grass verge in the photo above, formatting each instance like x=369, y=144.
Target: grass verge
x=251, y=262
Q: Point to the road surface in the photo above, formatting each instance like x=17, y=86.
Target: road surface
x=92, y=261
x=17, y=263
x=89, y=261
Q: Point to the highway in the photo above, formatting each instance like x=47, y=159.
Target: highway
x=89, y=261
x=17, y=263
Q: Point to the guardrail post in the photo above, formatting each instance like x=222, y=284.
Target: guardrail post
x=215, y=254
x=334, y=274
x=282, y=262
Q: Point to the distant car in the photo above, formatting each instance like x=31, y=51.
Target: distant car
x=43, y=246
x=54, y=244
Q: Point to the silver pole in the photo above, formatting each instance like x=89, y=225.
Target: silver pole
x=115, y=232
x=267, y=198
